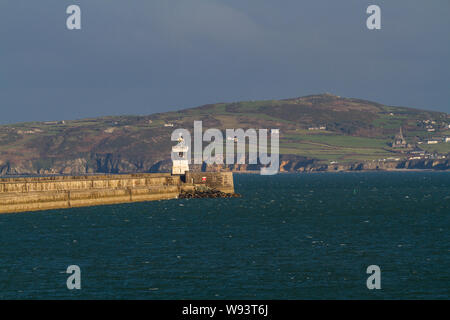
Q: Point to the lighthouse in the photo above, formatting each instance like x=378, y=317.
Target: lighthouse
x=180, y=162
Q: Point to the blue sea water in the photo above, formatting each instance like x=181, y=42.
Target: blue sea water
x=305, y=236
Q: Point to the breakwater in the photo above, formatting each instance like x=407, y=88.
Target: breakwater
x=57, y=192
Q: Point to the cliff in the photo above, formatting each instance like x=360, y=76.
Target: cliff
x=304, y=165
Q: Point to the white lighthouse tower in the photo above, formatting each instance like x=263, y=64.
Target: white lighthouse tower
x=180, y=162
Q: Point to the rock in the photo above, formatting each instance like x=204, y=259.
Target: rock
x=210, y=193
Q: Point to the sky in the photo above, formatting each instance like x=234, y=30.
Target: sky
x=146, y=56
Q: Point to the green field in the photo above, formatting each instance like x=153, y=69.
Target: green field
x=443, y=147
x=332, y=147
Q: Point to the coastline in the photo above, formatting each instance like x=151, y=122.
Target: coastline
x=345, y=172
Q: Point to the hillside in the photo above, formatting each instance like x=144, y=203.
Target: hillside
x=314, y=131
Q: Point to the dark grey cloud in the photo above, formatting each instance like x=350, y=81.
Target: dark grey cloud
x=145, y=56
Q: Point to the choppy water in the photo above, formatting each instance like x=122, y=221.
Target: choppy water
x=289, y=237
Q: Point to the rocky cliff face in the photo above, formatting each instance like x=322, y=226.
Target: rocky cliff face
x=314, y=166
x=103, y=163
x=300, y=164
x=120, y=164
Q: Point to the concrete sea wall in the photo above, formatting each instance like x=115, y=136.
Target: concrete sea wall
x=57, y=192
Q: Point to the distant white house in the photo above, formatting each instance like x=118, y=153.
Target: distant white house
x=317, y=128
x=432, y=142
x=447, y=139
x=168, y=124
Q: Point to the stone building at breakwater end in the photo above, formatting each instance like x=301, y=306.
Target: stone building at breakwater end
x=57, y=192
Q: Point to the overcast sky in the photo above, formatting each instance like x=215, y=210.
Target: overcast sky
x=147, y=56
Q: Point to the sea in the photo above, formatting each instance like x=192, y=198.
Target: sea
x=290, y=236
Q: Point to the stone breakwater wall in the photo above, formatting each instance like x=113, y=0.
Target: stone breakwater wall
x=58, y=192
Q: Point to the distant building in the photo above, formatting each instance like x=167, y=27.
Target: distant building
x=432, y=141
x=399, y=140
x=168, y=125
x=447, y=139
